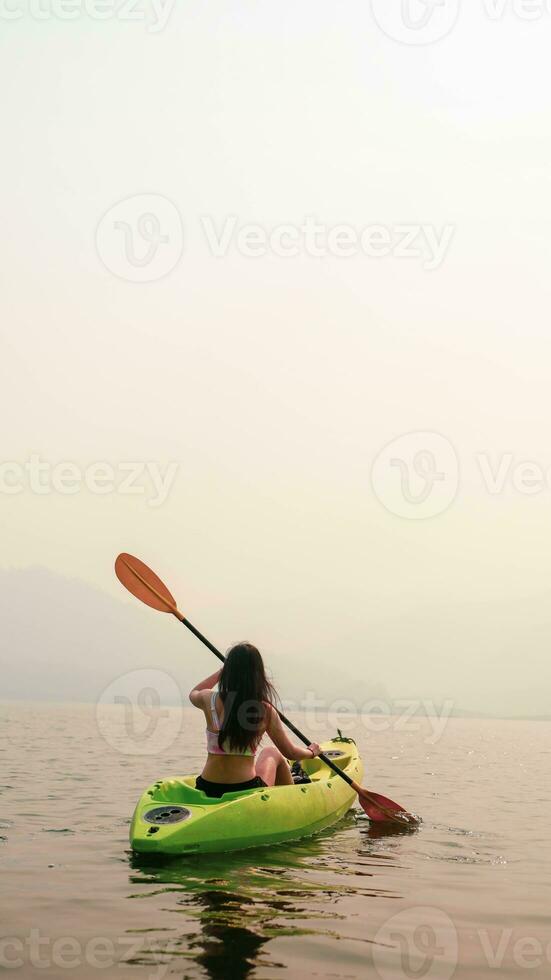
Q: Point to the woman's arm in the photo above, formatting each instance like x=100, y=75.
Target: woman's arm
x=208, y=683
x=282, y=741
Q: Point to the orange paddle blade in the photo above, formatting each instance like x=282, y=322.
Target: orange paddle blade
x=387, y=812
x=144, y=584
x=382, y=810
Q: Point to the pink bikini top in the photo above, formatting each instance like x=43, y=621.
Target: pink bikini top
x=212, y=737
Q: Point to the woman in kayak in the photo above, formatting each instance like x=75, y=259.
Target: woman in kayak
x=238, y=714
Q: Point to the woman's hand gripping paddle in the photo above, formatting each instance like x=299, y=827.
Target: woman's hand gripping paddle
x=146, y=586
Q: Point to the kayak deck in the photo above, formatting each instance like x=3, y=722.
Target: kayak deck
x=172, y=817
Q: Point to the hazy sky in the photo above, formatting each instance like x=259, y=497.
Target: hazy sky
x=273, y=382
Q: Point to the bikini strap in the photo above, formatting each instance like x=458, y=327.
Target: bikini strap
x=213, y=711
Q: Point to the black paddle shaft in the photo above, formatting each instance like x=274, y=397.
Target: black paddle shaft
x=324, y=758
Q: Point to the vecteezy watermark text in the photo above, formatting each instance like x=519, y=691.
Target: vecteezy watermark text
x=69, y=953
x=38, y=476
x=153, y=13
x=141, y=239
x=140, y=713
x=317, y=240
x=376, y=715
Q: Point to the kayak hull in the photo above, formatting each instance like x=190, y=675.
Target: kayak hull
x=172, y=817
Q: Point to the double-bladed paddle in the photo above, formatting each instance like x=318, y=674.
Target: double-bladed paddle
x=146, y=586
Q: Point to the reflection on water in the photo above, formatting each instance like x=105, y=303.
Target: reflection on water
x=321, y=907
x=241, y=900
x=222, y=936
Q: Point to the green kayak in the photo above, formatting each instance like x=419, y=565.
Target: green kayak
x=172, y=817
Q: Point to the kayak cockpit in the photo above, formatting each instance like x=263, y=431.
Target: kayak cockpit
x=173, y=817
x=182, y=791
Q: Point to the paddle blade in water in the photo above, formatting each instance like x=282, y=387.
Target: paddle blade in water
x=382, y=810
x=144, y=584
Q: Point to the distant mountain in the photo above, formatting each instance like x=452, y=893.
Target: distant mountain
x=66, y=640
x=491, y=658
x=63, y=639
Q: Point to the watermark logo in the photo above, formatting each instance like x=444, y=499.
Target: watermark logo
x=416, y=943
x=143, y=724
x=416, y=22
x=141, y=239
x=416, y=475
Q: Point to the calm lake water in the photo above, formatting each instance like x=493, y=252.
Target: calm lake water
x=467, y=895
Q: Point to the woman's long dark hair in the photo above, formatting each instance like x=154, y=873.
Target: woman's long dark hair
x=243, y=686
